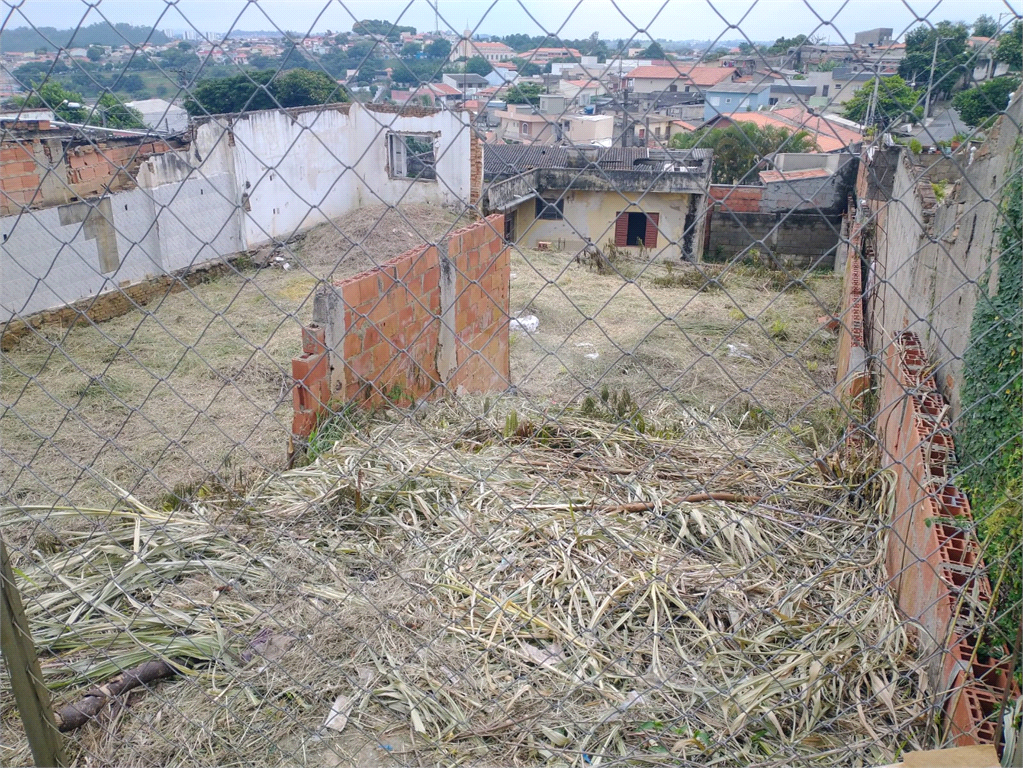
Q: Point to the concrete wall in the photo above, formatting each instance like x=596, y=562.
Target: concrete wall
x=430, y=321
x=88, y=219
x=794, y=239
x=592, y=214
x=932, y=255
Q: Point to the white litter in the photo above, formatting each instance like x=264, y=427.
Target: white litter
x=739, y=351
x=584, y=344
x=592, y=355
x=527, y=323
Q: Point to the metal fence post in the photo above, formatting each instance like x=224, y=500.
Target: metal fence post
x=32, y=697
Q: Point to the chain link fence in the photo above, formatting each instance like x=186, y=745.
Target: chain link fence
x=433, y=398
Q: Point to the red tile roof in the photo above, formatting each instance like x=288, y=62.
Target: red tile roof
x=701, y=76
x=828, y=136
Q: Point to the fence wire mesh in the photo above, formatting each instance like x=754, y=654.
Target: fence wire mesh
x=485, y=396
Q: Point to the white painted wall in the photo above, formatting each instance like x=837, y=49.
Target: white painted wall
x=296, y=169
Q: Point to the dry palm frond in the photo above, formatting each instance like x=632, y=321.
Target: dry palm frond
x=478, y=594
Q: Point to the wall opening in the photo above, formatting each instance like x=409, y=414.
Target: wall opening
x=550, y=209
x=636, y=228
x=412, y=156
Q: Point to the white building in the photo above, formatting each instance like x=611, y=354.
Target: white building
x=160, y=115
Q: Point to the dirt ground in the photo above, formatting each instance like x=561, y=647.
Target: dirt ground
x=195, y=384
x=198, y=383
x=743, y=342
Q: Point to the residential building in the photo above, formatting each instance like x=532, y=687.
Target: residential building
x=982, y=53
x=588, y=129
x=879, y=36
x=635, y=198
x=582, y=92
x=542, y=56
x=429, y=95
x=729, y=97
x=680, y=78
x=467, y=48
x=503, y=73
x=829, y=134
x=521, y=125
x=466, y=84
x=160, y=115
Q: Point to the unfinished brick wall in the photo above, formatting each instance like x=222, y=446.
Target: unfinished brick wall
x=933, y=559
x=853, y=373
x=432, y=320
x=737, y=199
x=44, y=172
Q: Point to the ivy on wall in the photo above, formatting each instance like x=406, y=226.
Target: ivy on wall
x=991, y=428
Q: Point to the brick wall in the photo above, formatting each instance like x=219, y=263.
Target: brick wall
x=44, y=172
x=735, y=198
x=432, y=320
x=933, y=560
x=853, y=372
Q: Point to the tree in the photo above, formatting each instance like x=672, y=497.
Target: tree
x=895, y=99
x=951, y=59
x=783, y=44
x=985, y=26
x=438, y=49
x=111, y=112
x=133, y=84
x=184, y=46
x=52, y=95
x=525, y=93
x=303, y=87
x=477, y=65
x=378, y=27
x=1010, y=47
x=527, y=68
x=262, y=90
x=653, y=51
x=95, y=53
x=985, y=100
x=411, y=49
x=742, y=148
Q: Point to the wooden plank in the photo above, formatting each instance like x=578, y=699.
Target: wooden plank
x=30, y=694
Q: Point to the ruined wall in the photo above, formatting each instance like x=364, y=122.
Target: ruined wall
x=932, y=254
x=93, y=219
x=432, y=320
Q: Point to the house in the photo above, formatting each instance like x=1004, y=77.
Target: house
x=522, y=125
x=467, y=48
x=982, y=54
x=636, y=198
x=588, y=129
x=428, y=94
x=582, y=92
x=160, y=115
x=465, y=83
x=829, y=134
x=659, y=78
x=872, y=37
x=729, y=97
x=503, y=73
x=542, y=56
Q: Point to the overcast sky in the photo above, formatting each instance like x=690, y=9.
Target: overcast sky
x=642, y=19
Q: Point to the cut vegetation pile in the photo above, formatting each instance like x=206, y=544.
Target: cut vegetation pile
x=476, y=585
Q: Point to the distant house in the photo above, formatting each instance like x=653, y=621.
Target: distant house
x=829, y=134
x=160, y=115
x=582, y=92
x=467, y=48
x=728, y=98
x=467, y=83
x=671, y=79
x=654, y=200
x=542, y=56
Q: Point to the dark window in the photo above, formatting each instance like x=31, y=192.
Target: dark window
x=636, y=229
x=550, y=209
x=672, y=88
x=824, y=90
x=509, y=227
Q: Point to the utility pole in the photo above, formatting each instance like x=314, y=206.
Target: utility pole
x=872, y=106
x=930, y=81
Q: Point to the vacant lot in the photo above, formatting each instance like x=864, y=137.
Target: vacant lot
x=199, y=383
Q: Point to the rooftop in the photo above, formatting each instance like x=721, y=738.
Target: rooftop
x=769, y=177
x=512, y=159
x=702, y=76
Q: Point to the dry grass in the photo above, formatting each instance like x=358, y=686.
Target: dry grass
x=194, y=385
x=739, y=341
x=464, y=586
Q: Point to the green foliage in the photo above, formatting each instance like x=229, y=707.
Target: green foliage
x=615, y=407
x=740, y=148
x=381, y=27
x=262, y=90
x=52, y=95
x=985, y=100
x=782, y=44
x=915, y=146
x=438, y=49
x=111, y=112
x=951, y=60
x=652, y=51
x=414, y=72
x=526, y=93
x=985, y=26
x=895, y=100
x=477, y=65
x=527, y=68
x=333, y=427
x=101, y=33
x=95, y=53
x=411, y=49
x=990, y=431
x=1010, y=47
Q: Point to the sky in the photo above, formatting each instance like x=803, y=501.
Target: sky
x=641, y=20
